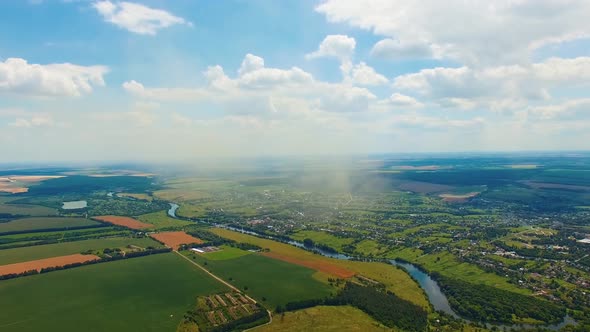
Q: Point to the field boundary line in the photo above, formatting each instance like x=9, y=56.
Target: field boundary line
x=228, y=285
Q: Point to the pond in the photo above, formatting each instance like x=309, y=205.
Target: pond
x=74, y=205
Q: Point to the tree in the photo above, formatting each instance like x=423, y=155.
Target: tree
x=308, y=243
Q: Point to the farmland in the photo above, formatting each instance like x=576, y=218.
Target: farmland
x=25, y=225
x=175, y=239
x=485, y=231
x=15, y=255
x=395, y=279
x=141, y=294
x=26, y=210
x=124, y=222
x=324, y=318
x=226, y=252
x=161, y=219
x=230, y=310
x=325, y=267
x=270, y=281
x=38, y=265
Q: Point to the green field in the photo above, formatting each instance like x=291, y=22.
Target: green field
x=20, y=239
x=27, y=210
x=16, y=255
x=161, y=219
x=31, y=224
x=395, y=279
x=324, y=319
x=276, y=281
x=141, y=294
x=226, y=252
x=322, y=238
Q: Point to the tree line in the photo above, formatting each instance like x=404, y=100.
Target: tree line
x=382, y=305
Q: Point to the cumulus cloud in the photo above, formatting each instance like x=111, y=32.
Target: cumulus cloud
x=497, y=87
x=137, y=18
x=395, y=49
x=257, y=87
x=163, y=94
x=472, y=32
x=251, y=63
x=572, y=109
x=362, y=74
x=270, y=77
x=400, y=100
x=338, y=46
x=64, y=79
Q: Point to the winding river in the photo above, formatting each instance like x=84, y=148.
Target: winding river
x=436, y=297
x=430, y=286
x=172, y=210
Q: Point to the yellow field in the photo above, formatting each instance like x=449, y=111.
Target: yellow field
x=396, y=280
x=323, y=318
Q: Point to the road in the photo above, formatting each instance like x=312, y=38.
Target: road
x=227, y=284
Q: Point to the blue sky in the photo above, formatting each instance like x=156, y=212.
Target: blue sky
x=115, y=80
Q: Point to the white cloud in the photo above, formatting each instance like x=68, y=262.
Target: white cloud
x=163, y=94
x=257, y=89
x=473, y=32
x=271, y=77
x=338, y=46
x=250, y=63
x=497, y=87
x=137, y=18
x=35, y=120
x=572, y=109
x=362, y=74
x=395, y=49
x=400, y=100
x=415, y=120
x=64, y=79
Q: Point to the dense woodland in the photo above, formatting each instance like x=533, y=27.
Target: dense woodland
x=489, y=304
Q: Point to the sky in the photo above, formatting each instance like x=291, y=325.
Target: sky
x=194, y=79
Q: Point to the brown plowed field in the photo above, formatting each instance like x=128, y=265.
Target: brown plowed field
x=124, y=221
x=44, y=263
x=335, y=270
x=175, y=239
x=8, y=188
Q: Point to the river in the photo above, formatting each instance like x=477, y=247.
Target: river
x=172, y=210
x=430, y=286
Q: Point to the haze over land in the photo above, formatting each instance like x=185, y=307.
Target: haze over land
x=183, y=80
